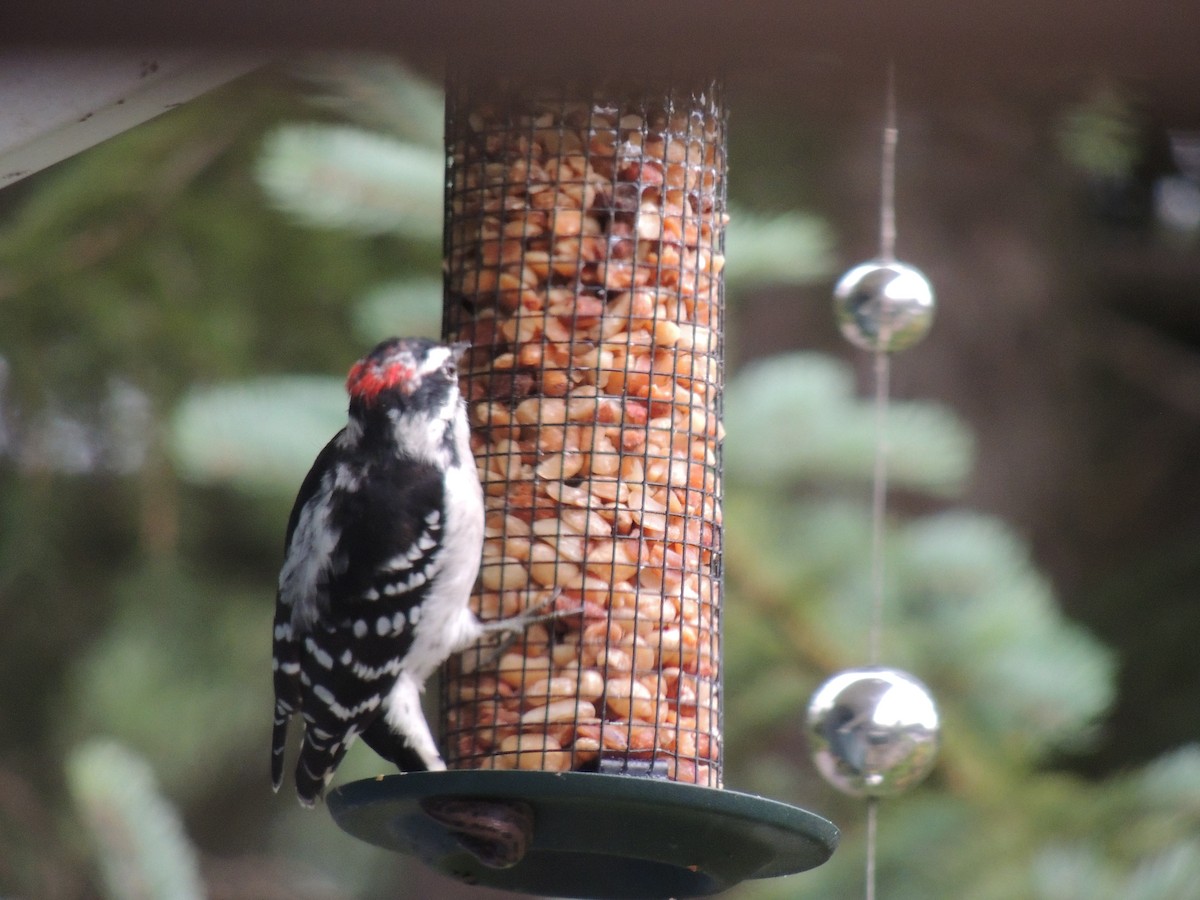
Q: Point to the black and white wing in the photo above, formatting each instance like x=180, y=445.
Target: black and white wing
x=358, y=567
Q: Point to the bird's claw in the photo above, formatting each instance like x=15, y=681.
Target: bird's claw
x=500, y=634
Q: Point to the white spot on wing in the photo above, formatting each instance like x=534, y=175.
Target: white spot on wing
x=398, y=563
x=324, y=694
x=345, y=713
x=324, y=660
x=367, y=673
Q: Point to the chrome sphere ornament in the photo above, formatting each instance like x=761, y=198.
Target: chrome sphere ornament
x=873, y=731
x=883, y=305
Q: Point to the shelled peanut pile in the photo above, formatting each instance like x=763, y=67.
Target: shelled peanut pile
x=583, y=262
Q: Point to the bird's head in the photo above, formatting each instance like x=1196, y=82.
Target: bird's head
x=403, y=371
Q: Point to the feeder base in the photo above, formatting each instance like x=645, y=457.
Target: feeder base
x=595, y=836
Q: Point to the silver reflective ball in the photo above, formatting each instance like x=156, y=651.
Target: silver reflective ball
x=883, y=305
x=873, y=731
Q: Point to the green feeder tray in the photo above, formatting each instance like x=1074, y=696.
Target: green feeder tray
x=594, y=835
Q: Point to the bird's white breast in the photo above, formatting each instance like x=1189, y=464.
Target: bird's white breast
x=445, y=624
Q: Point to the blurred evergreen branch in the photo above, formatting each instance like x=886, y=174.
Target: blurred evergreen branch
x=795, y=417
x=791, y=248
x=344, y=177
x=410, y=306
x=377, y=92
x=260, y=433
x=185, y=685
x=137, y=835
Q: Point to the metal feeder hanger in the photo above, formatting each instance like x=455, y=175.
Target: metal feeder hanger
x=584, y=238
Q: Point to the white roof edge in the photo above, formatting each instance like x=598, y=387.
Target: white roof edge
x=54, y=104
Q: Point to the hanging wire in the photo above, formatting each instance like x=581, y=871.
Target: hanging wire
x=872, y=828
x=887, y=199
x=887, y=245
x=879, y=506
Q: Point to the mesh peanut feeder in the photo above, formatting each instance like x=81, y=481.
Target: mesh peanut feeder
x=584, y=249
x=583, y=257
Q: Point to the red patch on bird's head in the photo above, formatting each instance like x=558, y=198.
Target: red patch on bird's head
x=370, y=376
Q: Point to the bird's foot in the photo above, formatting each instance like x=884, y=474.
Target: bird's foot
x=500, y=634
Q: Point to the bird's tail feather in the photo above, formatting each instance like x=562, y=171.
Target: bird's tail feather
x=319, y=757
x=279, y=744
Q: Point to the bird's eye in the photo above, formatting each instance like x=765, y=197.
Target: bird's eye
x=451, y=368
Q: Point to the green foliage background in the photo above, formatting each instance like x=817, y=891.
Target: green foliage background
x=176, y=309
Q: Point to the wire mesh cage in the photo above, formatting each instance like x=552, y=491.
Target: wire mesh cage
x=584, y=243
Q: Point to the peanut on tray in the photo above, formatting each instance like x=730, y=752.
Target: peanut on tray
x=584, y=251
